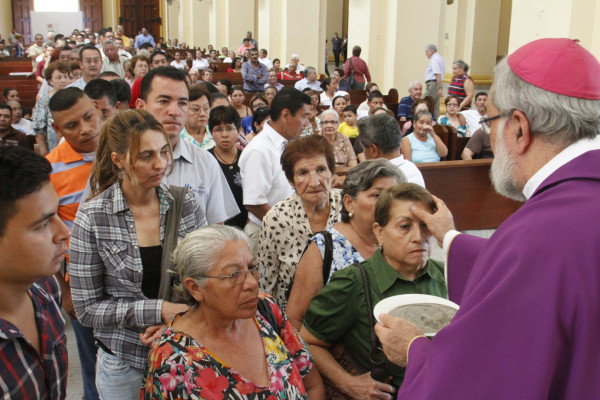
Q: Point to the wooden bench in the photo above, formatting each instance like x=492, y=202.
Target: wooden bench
x=466, y=189
x=27, y=86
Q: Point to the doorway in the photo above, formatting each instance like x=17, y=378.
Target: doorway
x=136, y=14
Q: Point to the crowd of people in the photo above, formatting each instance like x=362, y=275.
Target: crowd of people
x=208, y=243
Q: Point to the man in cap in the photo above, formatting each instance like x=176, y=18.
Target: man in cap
x=529, y=296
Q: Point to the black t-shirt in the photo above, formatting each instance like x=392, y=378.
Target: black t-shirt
x=234, y=179
x=151, y=261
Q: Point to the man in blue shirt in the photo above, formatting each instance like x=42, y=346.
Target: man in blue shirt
x=415, y=90
x=145, y=37
x=254, y=73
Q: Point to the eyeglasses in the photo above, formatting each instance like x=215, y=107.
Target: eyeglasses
x=196, y=110
x=485, y=122
x=451, y=105
x=333, y=122
x=239, y=276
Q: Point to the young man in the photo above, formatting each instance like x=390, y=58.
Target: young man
x=104, y=97
x=78, y=121
x=33, y=349
x=9, y=136
x=18, y=122
x=348, y=127
x=374, y=101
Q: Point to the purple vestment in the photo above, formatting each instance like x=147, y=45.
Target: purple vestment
x=529, y=322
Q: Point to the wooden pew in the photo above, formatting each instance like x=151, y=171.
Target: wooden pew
x=466, y=189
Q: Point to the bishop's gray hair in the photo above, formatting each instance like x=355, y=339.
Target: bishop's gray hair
x=558, y=119
x=431, y=47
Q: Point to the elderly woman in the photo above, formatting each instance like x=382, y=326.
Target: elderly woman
x=139, y=67
x=194, y=75
x=329, y=86
x=234, y=343
x=453, y=117
x=121, y=248
x=352, y=239
x=309, y=164
x=207, y=75
x=423, y=145
x=340, y=313
x=462, y=85
x=344, y=153
x=272, y=80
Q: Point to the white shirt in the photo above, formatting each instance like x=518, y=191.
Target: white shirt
x=265, y=61
x=229, y=60
x=200, y=64
x=360, y=114
x=24, y=126
x=325, y=100
x=79, y=83
x=179, y=65
x=304, y=83
x=435, y=66
x=124, y=53
x=473, y=117
x=263, y=179
x=199, y=171
x=409, y=169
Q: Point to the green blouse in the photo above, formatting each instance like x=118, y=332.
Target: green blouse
x=339, y=312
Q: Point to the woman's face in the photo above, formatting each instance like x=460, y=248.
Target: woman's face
x=421, y=125
x=238, y=63
x=148, y=166
x=229, y=299
x=237, y=98
x=207, y=76
x=339, y=105
x=363, y=206
x=140, y=69
x=272, y=77
x=59, y=80
x=336, y=76
x=277, y=64
x=257, y=103
x=315, y=100
x=457, y=71
x=77, y=73
x=452, y=107
x=312, y=179
x=329, y=124
x=405, y=238
x=194, y=76
x=270, y=93
x=198, y=111
x=225, y=136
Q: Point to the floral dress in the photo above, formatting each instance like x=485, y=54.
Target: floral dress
x=181, y=368
x=344, y=254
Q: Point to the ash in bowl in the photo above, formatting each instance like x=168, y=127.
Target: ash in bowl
x=430, y=318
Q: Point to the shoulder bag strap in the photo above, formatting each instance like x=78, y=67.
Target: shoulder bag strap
x=328, y=257
x=173, y=218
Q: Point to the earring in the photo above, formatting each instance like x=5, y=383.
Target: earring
x=121, y=174
x=350, y=215
x=381, y=247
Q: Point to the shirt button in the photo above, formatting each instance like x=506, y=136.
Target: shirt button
x=135, y=247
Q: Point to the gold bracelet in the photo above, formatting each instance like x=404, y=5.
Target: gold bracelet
x=410, y=343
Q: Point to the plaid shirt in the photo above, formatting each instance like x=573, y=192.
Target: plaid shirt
x=106, y=270
x=27, y=374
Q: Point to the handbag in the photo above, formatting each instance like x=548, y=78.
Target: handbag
x=351, y=76
x=338, y=352
x=173, y=219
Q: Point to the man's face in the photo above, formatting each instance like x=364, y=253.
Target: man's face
x=428, y=53
x=254, y=56
x=177, y=56
x=207, y=76
x=168, y=103
x=144, y=31
x=119, y=30
x=159, y=60
x=91, y=64
x=5, y=119
x=104, y=106
x=111, y=52
x=311, y=76
x=34, y=242
x=79, y=125
x=119, y=43
x=198, y=54
x=39, y=40
x=64, y=57
x=416, y=92
x=109, y=35
x=17, y=112
x=480, y=104
x=249, y=35
x=262, y=54
x=292, y=69
x=375, y=103
x=296, y=123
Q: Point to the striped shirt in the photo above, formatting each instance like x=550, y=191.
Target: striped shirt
x=457, y=88
x=27, y=374
x=70, y=173
x=106, y=270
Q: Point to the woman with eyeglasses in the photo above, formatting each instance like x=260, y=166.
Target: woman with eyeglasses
x=453, y=117
x=234, y=343
x=196, y=131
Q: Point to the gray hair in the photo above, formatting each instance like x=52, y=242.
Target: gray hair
x=431, y=47
x=332, y=112
x=558, y=119
x=412, y=84
x=461, y=64
x=107, y=42
x=295, y=56
x=362, y=176
x=308, y=70
x=249, y=33
x=381, y=130
x=194, y=70
x=198, y=252
x=50, y=43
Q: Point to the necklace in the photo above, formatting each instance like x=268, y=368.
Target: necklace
x=222, y=160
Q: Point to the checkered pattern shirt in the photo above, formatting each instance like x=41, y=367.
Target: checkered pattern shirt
x=106, y=270
x=27, y=374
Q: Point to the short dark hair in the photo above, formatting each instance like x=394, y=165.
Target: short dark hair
x=112, y=74
x=381, y=130
x=6, y=107
x=88, y=47
x=164, y=72
x=402, y=191
x=289, y=98
x=102, y=32
x=7, y=91
x=306, y=146
x=216, y=96
x=480, y=94
x=196, y=92
x=145, y=46
x=352, y=108
x=65, y=99
x=23, y=172
x=450, y=97
x=224, y=115
x=237, y=87
x=375, y=94
x=259, y=115
x=157, y=53
x=99, y=88
x=207, y=86
x=122, y=90
x=356, y=50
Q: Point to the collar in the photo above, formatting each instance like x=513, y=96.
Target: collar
x=274, y=136
x=571, y=152
x=386, y=276
x=398, y=161
x=181, y=150
x=68, y=154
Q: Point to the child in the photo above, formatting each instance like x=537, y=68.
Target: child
x=348, y=127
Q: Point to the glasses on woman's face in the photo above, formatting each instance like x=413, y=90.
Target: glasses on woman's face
x=329, y=122
x=239, y=276
x=452, y=105
x=197, y=109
